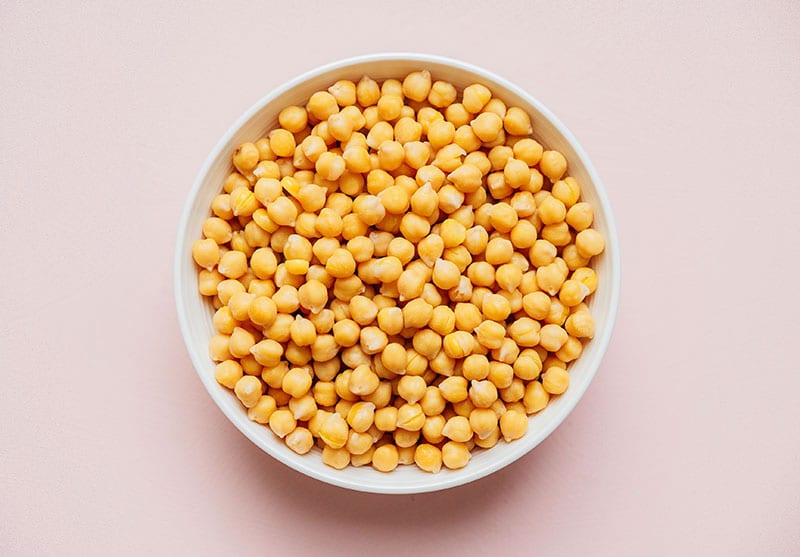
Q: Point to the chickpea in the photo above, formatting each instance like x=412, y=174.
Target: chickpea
x=567, y=190
x=553, y=165
x=457, y=429
x=496, y=307
x=555, y=380
x=206, y=253
x=475, y=97
x=499, y=251
x=580, y=324
x=490, y=334
x=245, y=157
x=322, y=104
x=525, y=331
x=589, y=243
x=455, y=455
x=442, y=94
x=458, y=344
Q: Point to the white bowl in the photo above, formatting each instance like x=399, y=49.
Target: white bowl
x=194, y=312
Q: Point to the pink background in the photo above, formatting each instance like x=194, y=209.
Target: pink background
x=688, y=441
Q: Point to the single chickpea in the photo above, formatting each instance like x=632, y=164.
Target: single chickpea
x=344, y=91
x=363, y=310
x=517, y=122
x=536, y=397
x=228, y=373
x=281, y=422
x=303, y=408
x=553, y=165
x=490, y=334
x=458, y=344
x=587, y=276
x=299, y=440
x=551, y=211
x=410, y=417
x=455, y=455
x=572, y=292
x=390, y=320
x=407, y=130
x=555, y=380
x=206, y=253
x=507, y=353
x=340, y=264
x=363, y=381
x=525, y=331
x=580, y=216
x=589, y=243
x=496, y=307
x=411, y=388
x=241, y=342
x=385, y=458
x=395, y=199
x=550, y=278
x=417, y=85
x=417, y=313
x=567, y=190
x=367, y=92
x=580, y=324
x=233, y=293
x=482, y=393
x=466, y=138
x=361, y=416
x=457, y=115
x=508, y=277
x=457, y=429
x=261, y=411
x=448, y=158
x=312, y=147
x=373, y=340
x=442, y=320
x=208, y=281
x=282, y=211
x=528, y=367
x=481, y=273
x=224, y=321
x=487, y=126
x=446, y=275
x=386, y=418
x=330, y=165
x=516, y=173
x=321, y=105
x=428, y=458
x=513, y=425
x=282, y=142
x=523, y=235
x=293, y=118
x=441, y=133
x=499, y=251
x=454, y=389
x=245, y=157
x=475, y=97
x=483, y=422
x=442, y=94
x=571, y=350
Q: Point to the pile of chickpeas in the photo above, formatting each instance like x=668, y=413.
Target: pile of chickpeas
x=399, y=273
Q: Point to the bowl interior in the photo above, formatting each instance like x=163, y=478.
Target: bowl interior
x=195, y=313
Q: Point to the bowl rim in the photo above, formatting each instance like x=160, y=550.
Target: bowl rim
x=335, y=477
